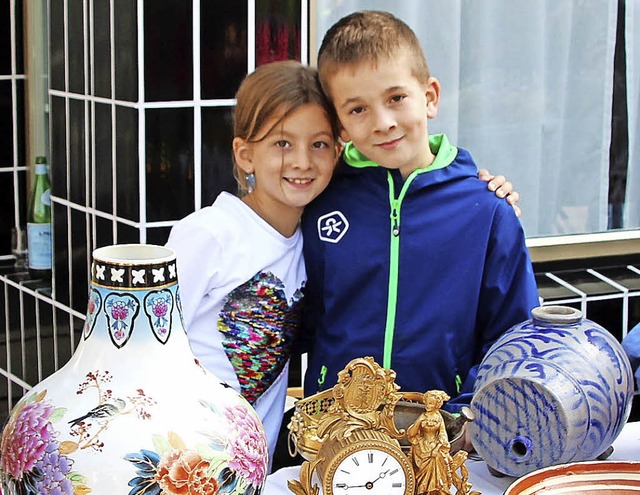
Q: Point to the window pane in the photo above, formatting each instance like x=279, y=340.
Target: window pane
x=20, y=122
x=103, y=155
x=56, y=44
x=126, y=49
x=77, y=160
x=217, y=162
x=158, y=235
x=5, y=37
x=127, y=182
x=61, y=251
x=277, y=31
x=76, y=46
x=79, y=258
x=6, y=206
x=168, y=50
x=104, y=232
x=127, y=234
x=6, y=125
x=169, y=163
x=58, y=153
x=223, y=47
x=19, y=38
x=101, y=49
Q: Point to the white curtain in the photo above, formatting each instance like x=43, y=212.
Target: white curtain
x=527, y=88
x=632, y=38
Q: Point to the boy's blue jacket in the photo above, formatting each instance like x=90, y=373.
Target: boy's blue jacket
x=423, y=275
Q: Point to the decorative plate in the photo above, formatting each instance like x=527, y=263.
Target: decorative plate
x=583, y=478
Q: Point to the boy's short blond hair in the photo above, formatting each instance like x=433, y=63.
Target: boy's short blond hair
x=368, y=36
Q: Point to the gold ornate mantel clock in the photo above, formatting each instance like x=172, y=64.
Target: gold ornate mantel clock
x=350, y=438
x=358, y=448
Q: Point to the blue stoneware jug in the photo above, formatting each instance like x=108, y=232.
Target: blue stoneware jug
x=552, y=390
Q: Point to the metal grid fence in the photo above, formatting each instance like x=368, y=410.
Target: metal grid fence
x=38, y=335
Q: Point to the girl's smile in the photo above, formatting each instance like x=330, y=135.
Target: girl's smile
x=292, y=164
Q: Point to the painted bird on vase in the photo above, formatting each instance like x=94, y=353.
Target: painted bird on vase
x=103, y=411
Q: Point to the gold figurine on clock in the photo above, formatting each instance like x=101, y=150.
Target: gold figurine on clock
x=349, y=438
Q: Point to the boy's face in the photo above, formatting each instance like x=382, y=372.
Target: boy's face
x=384, y=109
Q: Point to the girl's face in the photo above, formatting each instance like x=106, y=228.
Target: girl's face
x=292, y=164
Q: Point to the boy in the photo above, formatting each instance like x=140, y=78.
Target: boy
x=409, y=258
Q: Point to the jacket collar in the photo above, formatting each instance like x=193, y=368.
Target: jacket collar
x=439, y=143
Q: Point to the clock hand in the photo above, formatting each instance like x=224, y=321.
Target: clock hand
x=346, y=487
x=380, y=476
x=368, y=485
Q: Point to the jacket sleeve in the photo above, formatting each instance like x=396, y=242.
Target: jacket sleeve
x=314, y=264
x=508, y=292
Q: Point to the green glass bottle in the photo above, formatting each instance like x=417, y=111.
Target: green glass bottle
x=39, y=222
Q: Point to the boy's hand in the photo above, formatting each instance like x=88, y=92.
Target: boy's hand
x=501, y=187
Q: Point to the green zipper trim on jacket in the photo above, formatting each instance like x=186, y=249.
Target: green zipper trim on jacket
x=392, y=295
x=445, y=154
x=394, y=262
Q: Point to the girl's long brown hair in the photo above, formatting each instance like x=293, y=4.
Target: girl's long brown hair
x=273, y=91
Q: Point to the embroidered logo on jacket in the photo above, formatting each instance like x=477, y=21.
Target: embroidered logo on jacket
x=332, y=227
x=259, y=327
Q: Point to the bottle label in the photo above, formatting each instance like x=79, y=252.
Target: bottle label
x=39, y=242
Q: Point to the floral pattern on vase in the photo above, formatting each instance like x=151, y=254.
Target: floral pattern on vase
x=133, y=411
x=229, y=461
x=158, y=306
x=35, y=461
x=94, y=306
x=87, y=427
x=121, y=311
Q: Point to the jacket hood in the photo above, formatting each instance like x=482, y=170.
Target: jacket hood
x=439, y=143
x=446, y=154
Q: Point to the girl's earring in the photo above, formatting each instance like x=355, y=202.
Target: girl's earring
x=251, y=182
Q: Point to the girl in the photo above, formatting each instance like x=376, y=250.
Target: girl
x=240, y=264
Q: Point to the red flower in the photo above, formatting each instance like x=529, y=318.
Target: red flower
x=184, y=472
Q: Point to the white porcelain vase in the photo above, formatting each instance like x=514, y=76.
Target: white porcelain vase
x=133, y=412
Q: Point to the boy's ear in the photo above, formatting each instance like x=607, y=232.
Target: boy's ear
x=432, y=93
x=344, y=135
x=243, y=154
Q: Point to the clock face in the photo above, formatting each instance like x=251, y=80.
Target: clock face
x=369, y=471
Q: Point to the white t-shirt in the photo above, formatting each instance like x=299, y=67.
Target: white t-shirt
x=240, y=286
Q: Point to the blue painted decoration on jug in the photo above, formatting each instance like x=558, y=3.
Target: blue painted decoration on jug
x=553, y=389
